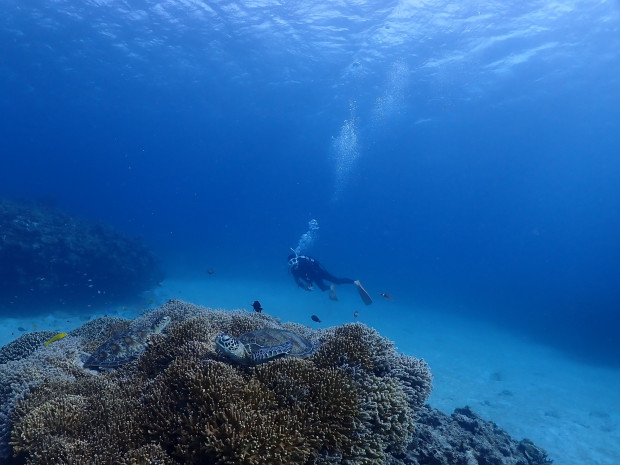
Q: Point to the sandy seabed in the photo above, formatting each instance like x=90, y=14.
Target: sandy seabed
x=532, y=391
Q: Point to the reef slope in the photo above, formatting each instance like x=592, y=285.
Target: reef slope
x=355, y=401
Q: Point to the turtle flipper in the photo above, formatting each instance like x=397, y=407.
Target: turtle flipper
x=266, y=354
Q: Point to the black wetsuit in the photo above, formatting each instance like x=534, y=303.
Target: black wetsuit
x=306, y=271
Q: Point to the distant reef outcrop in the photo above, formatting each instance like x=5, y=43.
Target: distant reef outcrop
x=51, y=258
x=356, y=401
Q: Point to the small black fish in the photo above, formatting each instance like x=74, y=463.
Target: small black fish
x=387, y=296
x=22, y=329
x=315, y=318
x=256, y=306
x=356, y=313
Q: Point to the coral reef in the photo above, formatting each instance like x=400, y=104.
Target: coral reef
x=24, y=345
x=21, y=374
x=26, y=362
x=464, y=439
x=361, y=349
x=354, y=402
x=180, y=402
x=51, y=257
x=95, y=332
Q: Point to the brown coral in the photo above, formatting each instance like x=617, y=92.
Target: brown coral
x=387, y=417
x=326, y=401
x=346, y=345
x=276, y=413
x=356, y=345
x=89, y=420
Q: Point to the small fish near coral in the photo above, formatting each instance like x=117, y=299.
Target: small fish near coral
x=315, y=318
x=387, y=296
x=58, y=337
x=356, y=314
x=257, y=306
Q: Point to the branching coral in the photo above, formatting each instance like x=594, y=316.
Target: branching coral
x=357, y=346
x=275, y=414
x=89, y=417
x=415, y=376
x=24, y=345
x=347, y=345
x=245, y=424
x=387, y=416
x=326, y=401
x=31, y=366
x=351, y=403
x=362, y=350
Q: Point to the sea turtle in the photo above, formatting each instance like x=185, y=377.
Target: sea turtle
x=126, y=346
x=263, y=345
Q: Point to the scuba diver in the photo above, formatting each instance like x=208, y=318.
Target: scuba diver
x=307, y=270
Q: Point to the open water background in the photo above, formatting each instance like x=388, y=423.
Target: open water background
x=462, y=156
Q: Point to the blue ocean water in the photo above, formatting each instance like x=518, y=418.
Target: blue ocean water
x=462, y=156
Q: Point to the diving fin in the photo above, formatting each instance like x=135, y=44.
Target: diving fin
x=332, y=292
x=362, y=292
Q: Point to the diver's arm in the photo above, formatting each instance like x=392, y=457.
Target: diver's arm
x=303, y=283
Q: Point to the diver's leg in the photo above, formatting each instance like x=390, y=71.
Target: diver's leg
x=319, y=282
x=321, y=273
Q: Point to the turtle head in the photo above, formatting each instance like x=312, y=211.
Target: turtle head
x=226, y=342
x=230, y=347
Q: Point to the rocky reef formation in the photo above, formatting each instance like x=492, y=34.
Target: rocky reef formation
x=355, y=401
x=464, y=438
x=50, y=257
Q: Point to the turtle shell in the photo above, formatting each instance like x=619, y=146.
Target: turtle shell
x=124, y=347
x=269, y=337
